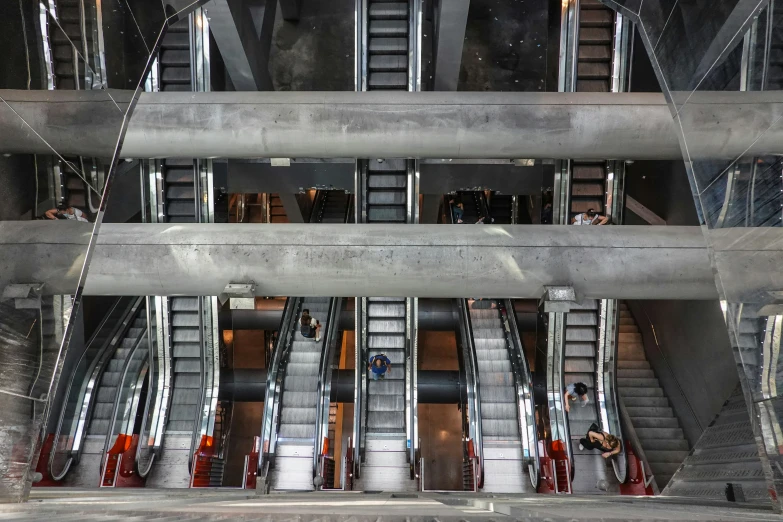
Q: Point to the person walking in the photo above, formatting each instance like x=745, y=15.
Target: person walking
x=380, y=366
x=310, y=326
x=457, y=209
x=576, y=391
x=596, y=439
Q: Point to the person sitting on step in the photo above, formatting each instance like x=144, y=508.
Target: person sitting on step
x=310, y=326
x=600, y=440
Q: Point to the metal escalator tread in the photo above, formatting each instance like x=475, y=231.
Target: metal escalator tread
x=300, y=385
x=386, y=334
x=109, y=382
x=186, y=360
x=499, y=418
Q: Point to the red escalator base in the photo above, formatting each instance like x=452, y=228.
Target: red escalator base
x=43, y=464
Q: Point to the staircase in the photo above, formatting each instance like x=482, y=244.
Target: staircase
x=658, y=429
x=726, y=452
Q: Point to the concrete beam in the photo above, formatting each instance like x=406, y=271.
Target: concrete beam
x=399, y=124
x=451, y=18
x=243, y=32
x=388, y=260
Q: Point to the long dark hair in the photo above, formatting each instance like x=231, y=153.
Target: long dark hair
x=306, y=319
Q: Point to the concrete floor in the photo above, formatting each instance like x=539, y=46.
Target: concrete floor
x=67, y=505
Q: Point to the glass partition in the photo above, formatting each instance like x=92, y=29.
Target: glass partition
x=725, y=58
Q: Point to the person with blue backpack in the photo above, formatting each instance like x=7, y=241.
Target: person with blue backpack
x=380, y=365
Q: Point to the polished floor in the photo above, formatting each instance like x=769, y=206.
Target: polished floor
x=65, y=505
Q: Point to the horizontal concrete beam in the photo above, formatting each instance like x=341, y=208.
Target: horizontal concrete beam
x=382, y=260
x=372, y=124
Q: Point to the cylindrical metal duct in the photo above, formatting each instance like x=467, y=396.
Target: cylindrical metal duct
x=249, y=385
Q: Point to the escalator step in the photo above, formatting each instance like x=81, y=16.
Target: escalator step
x=386, y=197
x=596, y=18
x=188, y=365
x=176, y=40
x=389, y=62
x=386, y=309
x=381, y=342
x=180, y=75
x=185, y=396
x=175, y=57
x=388, y=10
x=387, y=181
x=595, y=36
x=595, y=53
x=177, y=208
x=176, y=87
x=385, y=421
x=387, y=165
x=182, y=193
x=386, y=215
x=587, y=189
x=184, y=304
x=592, y=85
x=304, y=414
x=499, y=410
x=388, y=28
x=183, y=412
x=388, y=46
x=593, y=71
x=388, y=80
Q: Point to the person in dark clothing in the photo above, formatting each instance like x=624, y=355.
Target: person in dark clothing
x=310, y=326
x=596, y=439
x=457, y=209
x=380, y=365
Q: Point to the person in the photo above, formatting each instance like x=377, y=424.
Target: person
x=66, y=212
x=576, y=391
x=546, y=214
x=600, y=440
x=589, y=218
x=310, y=326
x=457, y=209
x=380, y=365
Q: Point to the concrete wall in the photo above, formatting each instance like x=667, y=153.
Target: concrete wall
x=692, y=357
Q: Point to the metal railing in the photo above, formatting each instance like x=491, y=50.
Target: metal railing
x=83, y=387
x=472, y=385
x=325, y=382
x=126, y=401
x=606, y=381
x=523, y=382
x=411, y=377
x=558, y=421
x=360, y=384
x=274, y=384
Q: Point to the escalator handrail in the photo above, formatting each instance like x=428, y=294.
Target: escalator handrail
x=360, y=383
x=274, y=382
x=474, y=383
x=204, y=423
x=317, y=211
x=607, y=360
x=411, y=312
x=86, y=395
x=108, y=442
x=160, y=383
x=324, y=389
x=555, y=399
x=524, y=386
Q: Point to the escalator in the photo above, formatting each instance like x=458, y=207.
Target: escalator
x=86, y=419
x=502, y=208
x=68, y=32
x=181, y=192
x=508, y=445
x=503, y=435
x=385, y=430
x=296, y=415
x=582, y=343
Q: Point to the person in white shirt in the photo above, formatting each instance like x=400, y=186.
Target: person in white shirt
x=589, y=218
x=71, y=213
